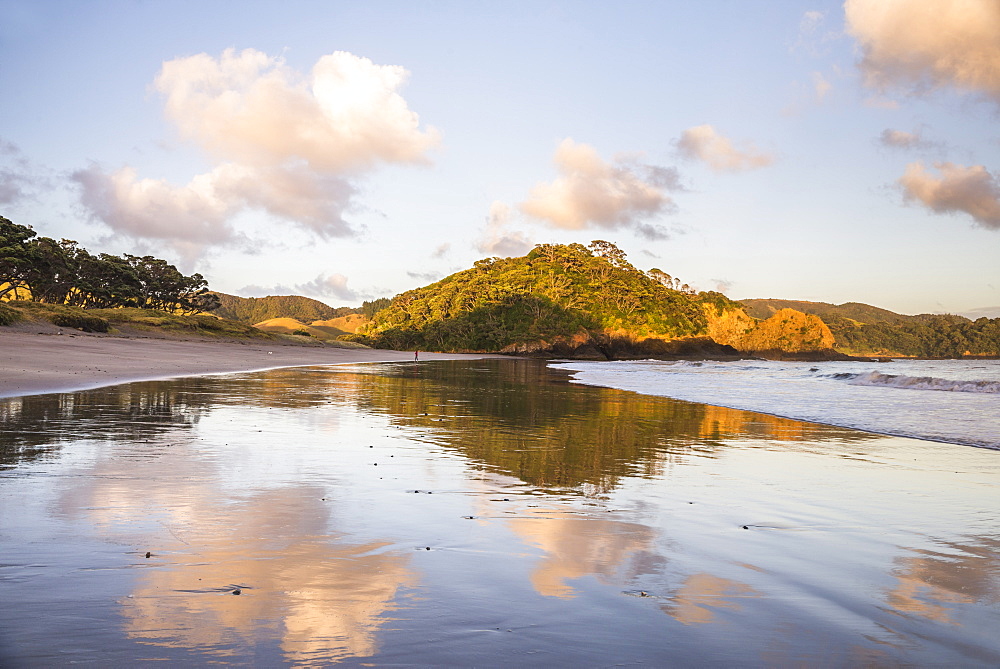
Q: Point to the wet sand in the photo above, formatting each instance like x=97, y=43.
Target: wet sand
x=38, y=361
x=483, y=513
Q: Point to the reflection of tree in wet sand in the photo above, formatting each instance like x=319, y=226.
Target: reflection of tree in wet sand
x=328, y=598
x=927, y=584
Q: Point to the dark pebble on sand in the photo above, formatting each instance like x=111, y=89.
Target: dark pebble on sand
x=148, y=554
x=237, y=591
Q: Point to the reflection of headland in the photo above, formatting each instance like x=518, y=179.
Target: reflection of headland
x=523, y=419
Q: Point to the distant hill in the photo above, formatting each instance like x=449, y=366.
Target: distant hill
x=861, y=329
x=856, y=311
x=575, y=301
x=257, y=309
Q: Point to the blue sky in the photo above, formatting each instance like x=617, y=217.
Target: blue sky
x=349, y=150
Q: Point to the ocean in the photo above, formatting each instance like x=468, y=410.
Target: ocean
x=495, y=513
x=951, y=401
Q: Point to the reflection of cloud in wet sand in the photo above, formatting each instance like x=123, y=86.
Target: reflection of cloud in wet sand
x=926, y=585
x=700, y=594
x=578, y=546
x=324, y=598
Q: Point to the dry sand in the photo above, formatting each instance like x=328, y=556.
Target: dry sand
x=35, y=360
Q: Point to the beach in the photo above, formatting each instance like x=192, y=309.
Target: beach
x=471, y=512
x=40, y=358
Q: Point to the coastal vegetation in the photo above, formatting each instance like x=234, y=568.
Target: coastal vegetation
x=43, y=270
x=581, y=302
x=861, y=329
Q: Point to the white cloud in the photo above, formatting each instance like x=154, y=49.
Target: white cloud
x=970, y=190
x=189, y=217
x=496, y=240
x=591, y=193
x=334, y=285
x=921, y=46
x=704, y=143
x=246, y=106
x=284, y=143
x=441, y=250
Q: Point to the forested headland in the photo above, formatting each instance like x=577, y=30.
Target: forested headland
x=583, y=301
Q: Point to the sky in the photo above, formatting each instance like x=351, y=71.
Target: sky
x=822, y=151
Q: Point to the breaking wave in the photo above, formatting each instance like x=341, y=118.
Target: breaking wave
x=919, y=382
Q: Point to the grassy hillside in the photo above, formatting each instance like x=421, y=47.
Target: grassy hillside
x=109, y=320
x=257, y=309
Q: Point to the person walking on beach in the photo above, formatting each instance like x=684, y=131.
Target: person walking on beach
x=416, y=354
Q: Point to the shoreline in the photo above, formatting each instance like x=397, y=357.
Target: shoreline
x=37, y=363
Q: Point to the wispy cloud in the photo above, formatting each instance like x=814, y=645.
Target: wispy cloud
x=19, y=179
x=959, y=189
x=909, y=141
x=917, y=47
x=429, y=277
x=718, y=152
x=284, y=143
x=592, y=193
x=323, y=286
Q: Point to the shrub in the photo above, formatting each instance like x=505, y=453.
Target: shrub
x=8, y=316
x=81, y=321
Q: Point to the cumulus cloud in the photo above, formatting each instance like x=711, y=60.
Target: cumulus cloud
x=283, y=143
x=333, y=285
x=970, y=190
x=591, y=193
x=497, y=240
x=189, y=217
x=251, y=108
x=704, y=143
x=921, y=46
